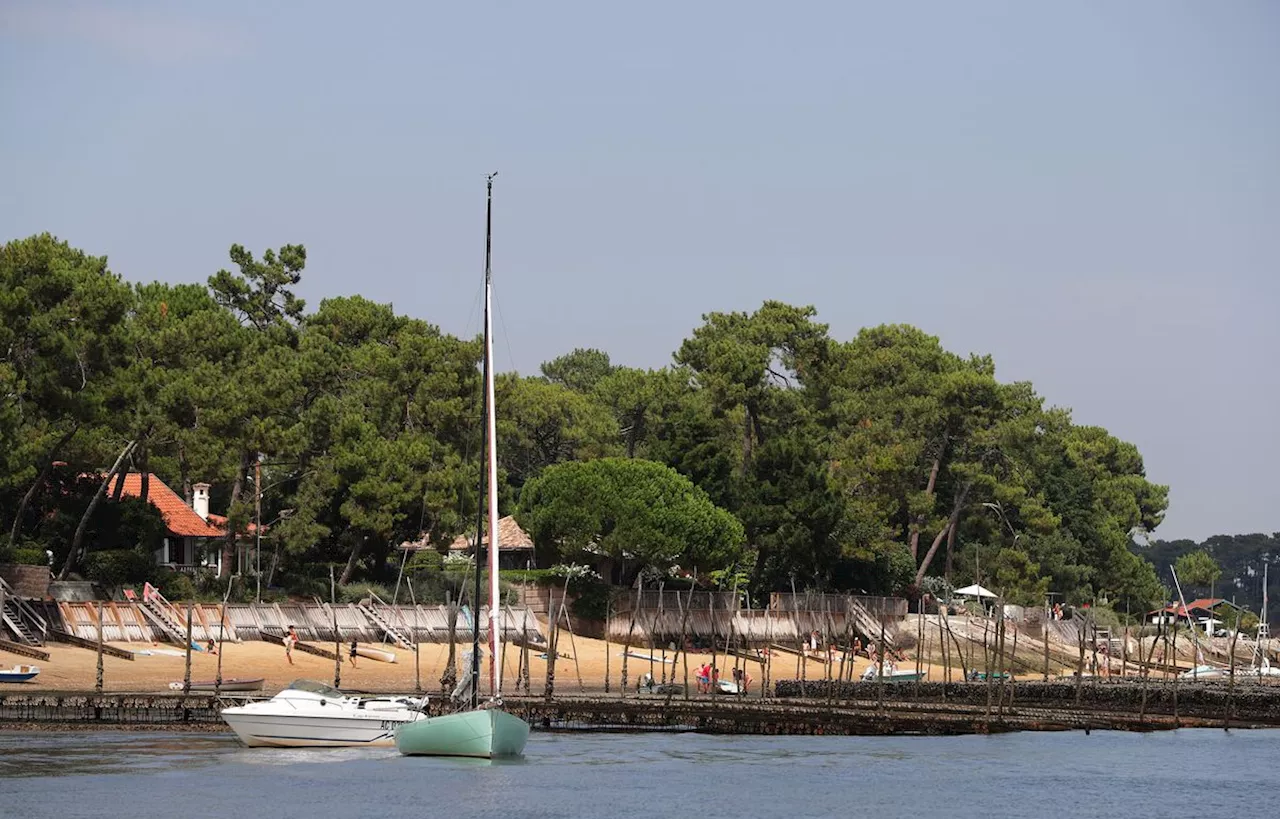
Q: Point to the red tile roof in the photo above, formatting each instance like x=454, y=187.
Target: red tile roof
x=180, y=519
x=221, y=522
x=510, y=537
x=1200, y=604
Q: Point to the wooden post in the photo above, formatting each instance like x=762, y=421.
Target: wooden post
x=1080, y=638
x=1048, y=617
x=222, y=618
x=608, y=618
x=186, y=677
x=626, y=647
x=98, y=684
x=449, y=677
x=524, y=651
x=553, y=648
x=337, y=644
x=880, y=659
x=417, y=639
x=1231, y=681
x=1175, y=672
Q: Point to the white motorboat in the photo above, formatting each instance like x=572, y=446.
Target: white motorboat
x=312, y=714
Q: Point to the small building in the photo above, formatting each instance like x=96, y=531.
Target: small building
x=193, y=537
x=515, y=547
x=1200, y=612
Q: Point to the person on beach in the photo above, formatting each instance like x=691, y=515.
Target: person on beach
x=703, y=678
x=211, y=646
x=351, y=653
x=290, y=640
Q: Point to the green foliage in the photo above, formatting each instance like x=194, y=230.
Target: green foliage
x=580, y=370
x=1198, y=569
x=117, y=567
x=768, y=450
x=355, y=592
x=174, y=585
x=27, y=555
x=627, y=509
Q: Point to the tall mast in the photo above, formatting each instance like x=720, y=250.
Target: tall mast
x=495, y=612
x=488, y=478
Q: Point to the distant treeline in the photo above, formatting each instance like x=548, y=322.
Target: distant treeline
x=1241, y=559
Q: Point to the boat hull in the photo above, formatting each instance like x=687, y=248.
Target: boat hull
x=18, y=676
x=270, y=731
x=376, y=654
x=484, y=734
x=227, y=686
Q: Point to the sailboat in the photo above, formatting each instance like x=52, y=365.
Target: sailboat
x=483, y=730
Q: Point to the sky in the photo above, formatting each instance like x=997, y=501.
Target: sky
x=1087, y=191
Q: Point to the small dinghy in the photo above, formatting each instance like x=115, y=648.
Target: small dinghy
x=19, y=673
x=208, y=686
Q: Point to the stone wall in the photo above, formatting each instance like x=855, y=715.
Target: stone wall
x=31, y=582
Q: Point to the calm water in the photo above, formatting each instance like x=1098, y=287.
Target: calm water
x=1202, y=773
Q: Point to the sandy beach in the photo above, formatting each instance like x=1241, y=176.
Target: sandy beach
x=581, y=668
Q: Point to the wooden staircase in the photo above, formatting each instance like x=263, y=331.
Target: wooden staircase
x=26, y=625
x=393, y=634
x=163, y=616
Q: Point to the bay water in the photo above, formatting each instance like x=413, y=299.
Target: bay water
x=66, y=775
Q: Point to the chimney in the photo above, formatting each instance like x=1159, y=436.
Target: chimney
x=200, y=500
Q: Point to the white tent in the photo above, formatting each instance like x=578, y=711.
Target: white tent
x=974, y=591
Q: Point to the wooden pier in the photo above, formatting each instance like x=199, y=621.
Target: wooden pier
x=897, y=708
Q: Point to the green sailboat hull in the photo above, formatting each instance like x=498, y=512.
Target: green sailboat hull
x=486, y=733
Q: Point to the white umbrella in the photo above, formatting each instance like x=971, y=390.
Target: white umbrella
x=974, y=591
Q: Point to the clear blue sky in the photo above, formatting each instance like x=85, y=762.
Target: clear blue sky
x=1089, y=191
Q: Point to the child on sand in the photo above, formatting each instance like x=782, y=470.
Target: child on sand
x=290, y=640
x=352, y=653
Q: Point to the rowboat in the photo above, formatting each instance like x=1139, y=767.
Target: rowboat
x=19, y=673
x=204, y=686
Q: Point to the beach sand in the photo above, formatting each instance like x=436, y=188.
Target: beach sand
x=75, y=669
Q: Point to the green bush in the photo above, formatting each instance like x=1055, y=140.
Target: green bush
x=173, y=585
x=117, y=567
x=355, y=592
x=29, y=556
x=425, y=561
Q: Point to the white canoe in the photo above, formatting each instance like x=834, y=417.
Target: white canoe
x=376, y=654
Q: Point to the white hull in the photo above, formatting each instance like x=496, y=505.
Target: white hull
x=313, y=715
x=376, y=654
x=265, y=730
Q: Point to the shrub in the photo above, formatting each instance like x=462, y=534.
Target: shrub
x=425, y=561
x=29, y=555
x=117, y=567
x=355, y=592
x=174, y=585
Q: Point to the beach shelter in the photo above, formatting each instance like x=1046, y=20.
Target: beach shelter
x=974, y=591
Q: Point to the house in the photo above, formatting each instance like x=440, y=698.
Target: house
x=1199, y=611
x=515, y=547
x=193, y=538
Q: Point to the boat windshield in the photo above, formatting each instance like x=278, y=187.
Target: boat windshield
x=316, y=688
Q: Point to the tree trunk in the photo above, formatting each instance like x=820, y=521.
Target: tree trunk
x=144, y=471
x=78, y=539
x=45, y=469
x=947, y=531
x=229, y=541
x=919, y=521
x=354, y=559
x=184, y=472
x=951, y=542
